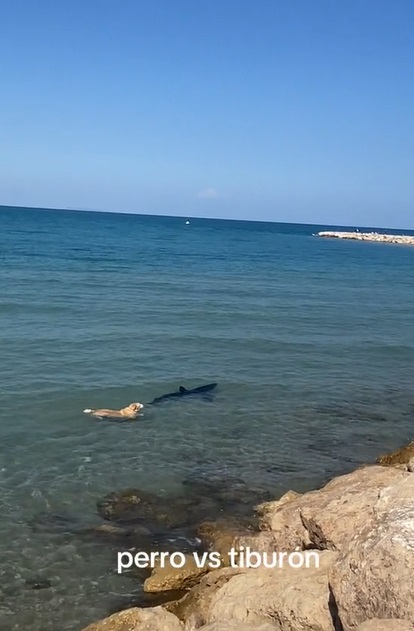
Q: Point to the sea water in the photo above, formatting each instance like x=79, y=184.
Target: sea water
x=310, y=340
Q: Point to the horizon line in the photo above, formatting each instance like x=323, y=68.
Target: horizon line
x=116, y=212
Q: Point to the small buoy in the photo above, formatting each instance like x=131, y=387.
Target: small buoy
x=186, y=223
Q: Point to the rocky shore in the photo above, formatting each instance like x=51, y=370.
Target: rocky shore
x=359, y=526
x=370, y=236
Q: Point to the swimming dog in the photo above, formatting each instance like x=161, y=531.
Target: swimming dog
x=129, y=413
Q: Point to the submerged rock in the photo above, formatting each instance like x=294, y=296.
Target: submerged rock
x=227, y=493
x=203, y=499
x=133, y=506
x=127, y=505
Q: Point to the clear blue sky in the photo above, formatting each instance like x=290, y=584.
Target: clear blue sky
x=281, y=110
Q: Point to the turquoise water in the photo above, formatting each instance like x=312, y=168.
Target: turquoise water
x=311, y=342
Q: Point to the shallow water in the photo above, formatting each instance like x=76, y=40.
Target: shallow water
x=311, y=342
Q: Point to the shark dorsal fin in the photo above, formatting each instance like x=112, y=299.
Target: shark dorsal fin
x=182, y=389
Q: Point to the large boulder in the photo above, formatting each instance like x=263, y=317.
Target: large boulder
x=328, y=517
x=156, y=619
x=194, y=607
x=373, y=576
x=291, y=598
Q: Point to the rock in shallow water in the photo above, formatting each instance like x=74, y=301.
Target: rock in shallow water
x=203, y=499
x=228, y=492
x=132, y=505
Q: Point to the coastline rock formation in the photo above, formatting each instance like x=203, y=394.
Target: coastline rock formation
x=166, y=577
x=325, y=518
x=398, y=457
x=359, y=527
x=157, y=619
x=374, y=575
x=403, y=239
x=154, y=619
x=289, y=600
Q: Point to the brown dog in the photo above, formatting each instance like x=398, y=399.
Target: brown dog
x=130, y=412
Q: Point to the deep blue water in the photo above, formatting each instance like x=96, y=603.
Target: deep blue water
x=310, y=340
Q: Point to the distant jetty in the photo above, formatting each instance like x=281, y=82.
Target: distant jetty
x=404, y=239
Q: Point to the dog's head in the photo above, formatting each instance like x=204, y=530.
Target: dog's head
x=135, y=407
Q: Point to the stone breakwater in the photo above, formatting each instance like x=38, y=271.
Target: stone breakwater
x=361, y=525
x=403, y=239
